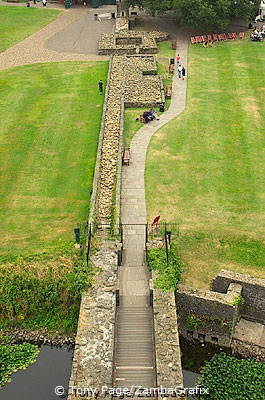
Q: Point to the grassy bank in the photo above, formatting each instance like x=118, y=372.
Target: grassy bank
x=51, y=115
x=205, y=169
x=19, y=22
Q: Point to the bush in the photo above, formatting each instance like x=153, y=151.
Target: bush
x=231, y=379
x=168, y=274
x=51, y=299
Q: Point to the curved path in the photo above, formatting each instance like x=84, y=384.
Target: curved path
x=79, y=31
x=133, y=187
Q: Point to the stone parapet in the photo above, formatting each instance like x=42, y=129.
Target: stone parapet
x=253, y=292
x=93, y=355
x=93, y=199
x=206, y=315
x=168, y=354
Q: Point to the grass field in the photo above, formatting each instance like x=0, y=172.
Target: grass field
x=50, y=120
x=206, y=168
x=131, y=126
x=16, y=23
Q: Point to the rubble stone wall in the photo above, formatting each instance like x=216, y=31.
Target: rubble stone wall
x=248, y=350
x=92, y=362
x=127, y=85
x=253, y=292
x=122, y=24
x=130, y=42
x=168, y=354
x=206, y=315
x=93, y=199
x=132, y=82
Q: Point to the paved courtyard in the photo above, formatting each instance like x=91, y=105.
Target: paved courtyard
x=71, y=37
x=82, y=35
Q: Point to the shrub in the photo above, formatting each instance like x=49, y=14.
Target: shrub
x=49, y=299
x=193, y=321
x=168, y=274
x=231, y=379
x=238, y=300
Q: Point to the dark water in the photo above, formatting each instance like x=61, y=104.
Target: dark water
x=52, y=368
x=190, y=378
x=195, y=354
x=190, y=381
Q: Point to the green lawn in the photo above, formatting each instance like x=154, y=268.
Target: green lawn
x=16, y=23
x=206, y=170
x=131, y=126
x=50, y=121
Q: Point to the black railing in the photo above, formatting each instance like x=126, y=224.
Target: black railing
x=159, y=229
x=163, y=229
x=88, y=247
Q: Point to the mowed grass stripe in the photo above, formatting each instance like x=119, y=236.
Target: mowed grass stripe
x=205, y=169
x=16, y=23
x=48, y=142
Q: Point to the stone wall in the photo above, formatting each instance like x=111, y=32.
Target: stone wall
x=129, y=83
x=206, y=315
x=93, y=198
x=168, y=354
x=248, y=350
x=93, y=355
x=132, y=82
x=253, y=292
x=129, y=42
x=122, y=24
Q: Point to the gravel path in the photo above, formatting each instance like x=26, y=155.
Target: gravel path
x=33, y=49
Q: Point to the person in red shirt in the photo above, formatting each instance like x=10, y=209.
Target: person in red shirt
x=178, y=60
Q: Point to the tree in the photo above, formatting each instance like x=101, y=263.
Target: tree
x=202, y=14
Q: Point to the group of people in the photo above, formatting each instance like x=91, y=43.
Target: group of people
x=180, y=69
x=149, y=116
x=258, y=35
x=44, y=3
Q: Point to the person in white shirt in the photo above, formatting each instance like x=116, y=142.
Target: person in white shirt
x=180, y=71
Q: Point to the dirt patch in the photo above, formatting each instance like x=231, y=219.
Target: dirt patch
x=252, y=108
x=244, y=65
x=81, y=123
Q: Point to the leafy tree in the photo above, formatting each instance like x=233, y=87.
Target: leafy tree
x=244, y=9
x=202, y=14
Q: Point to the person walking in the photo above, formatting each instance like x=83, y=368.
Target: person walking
x=183, y=73
x=100, y=86
x=179, y=71
x=178, y=60
x=44, y=3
